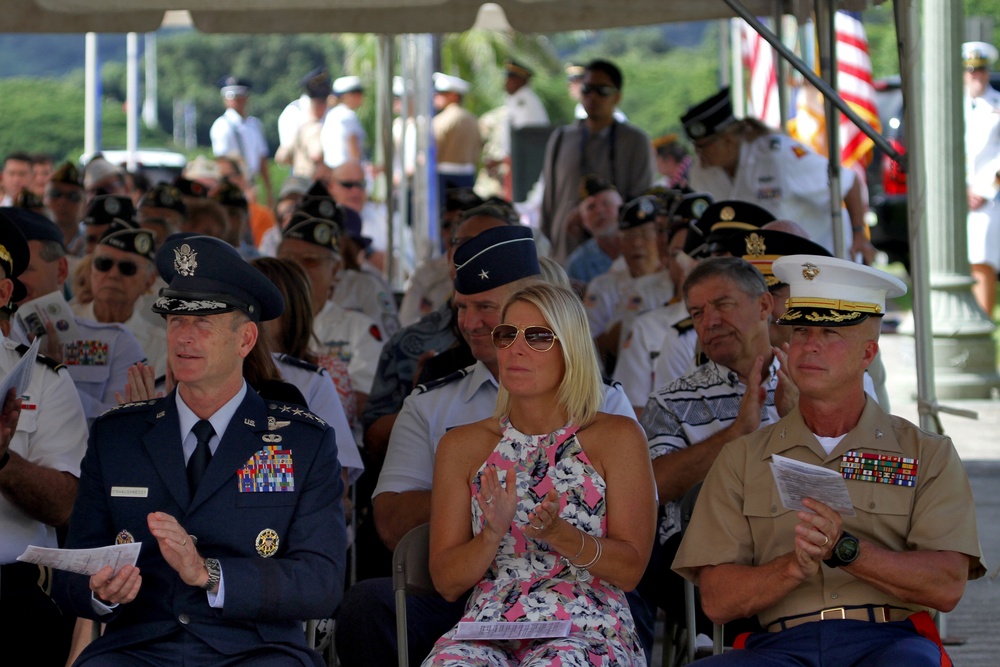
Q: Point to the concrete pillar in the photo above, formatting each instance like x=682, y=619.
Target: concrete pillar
x=964, y=352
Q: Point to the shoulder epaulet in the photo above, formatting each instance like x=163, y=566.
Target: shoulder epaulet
x=299, y=363
x=684, y=325
x=127, y=408
x=288, y=411
x=48, y=362
x=610, y=382
x=434, y=384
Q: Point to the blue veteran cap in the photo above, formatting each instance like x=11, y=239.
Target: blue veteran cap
x=14, y=253
x=496, y=257
x=206, y=276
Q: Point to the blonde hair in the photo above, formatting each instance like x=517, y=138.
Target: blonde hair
x=580, y=391
x=553, y=272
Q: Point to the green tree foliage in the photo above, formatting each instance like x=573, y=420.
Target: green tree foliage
x=46, y=116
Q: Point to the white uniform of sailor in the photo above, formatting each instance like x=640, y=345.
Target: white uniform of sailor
x=340, y=125
x=430, y=287
x=51, y=432
x=659, y=350
x=323, y=401
x=430, y=411
x=369, y=294
x=152, y=337
x=786, y=178
x=618, y=297
x=232, y=133
x=524, y=109
x=982, y=161
x=352, y=337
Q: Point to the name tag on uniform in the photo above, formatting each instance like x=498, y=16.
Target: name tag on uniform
x=129, y=492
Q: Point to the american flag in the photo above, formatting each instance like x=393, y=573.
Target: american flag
x=758, y=58
x=808, y=124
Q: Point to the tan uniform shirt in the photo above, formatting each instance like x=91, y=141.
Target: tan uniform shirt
x=456, y=132
x=739, y=517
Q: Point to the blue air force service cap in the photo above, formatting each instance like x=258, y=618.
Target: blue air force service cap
x=14, y=253
x=832, y=292
x=709, y=116
x=34, y=226
x=761, y=247
x=105, y=208
x=206, y=276
x=496, y=257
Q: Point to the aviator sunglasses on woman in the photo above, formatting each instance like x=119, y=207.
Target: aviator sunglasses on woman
x=538, y=338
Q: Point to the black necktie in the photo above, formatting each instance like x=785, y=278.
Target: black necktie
x=198, y=462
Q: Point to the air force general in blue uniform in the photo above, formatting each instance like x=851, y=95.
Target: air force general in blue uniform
x=229, y=569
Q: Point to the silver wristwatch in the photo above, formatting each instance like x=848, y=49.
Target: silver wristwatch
x=214, y=573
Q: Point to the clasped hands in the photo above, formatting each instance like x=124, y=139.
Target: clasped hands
x=499, y=505
x=816, y=534
x=176, y=546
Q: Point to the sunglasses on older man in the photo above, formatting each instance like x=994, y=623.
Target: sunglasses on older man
x=538, y=338
x=125, y=267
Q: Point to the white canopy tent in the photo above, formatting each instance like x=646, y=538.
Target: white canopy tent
x=391, y=17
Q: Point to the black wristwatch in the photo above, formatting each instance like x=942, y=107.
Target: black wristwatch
x=845, y=551
x=214, y=573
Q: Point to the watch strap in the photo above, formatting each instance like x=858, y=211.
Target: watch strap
x=214, y=570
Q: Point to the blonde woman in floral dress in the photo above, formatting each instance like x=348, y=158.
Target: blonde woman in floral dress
x=562, y=511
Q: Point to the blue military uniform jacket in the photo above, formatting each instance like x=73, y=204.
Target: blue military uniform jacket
x=282, y=549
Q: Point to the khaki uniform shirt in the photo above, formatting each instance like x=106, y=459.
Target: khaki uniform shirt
x=456, y=132
x=739, y=517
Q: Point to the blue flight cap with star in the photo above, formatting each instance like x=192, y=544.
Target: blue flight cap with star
x=496, y=257
x=206, y=276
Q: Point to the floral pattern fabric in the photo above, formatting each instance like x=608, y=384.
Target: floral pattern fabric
x=529, y=581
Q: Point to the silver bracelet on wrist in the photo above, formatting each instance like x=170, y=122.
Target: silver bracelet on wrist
x=583, y=544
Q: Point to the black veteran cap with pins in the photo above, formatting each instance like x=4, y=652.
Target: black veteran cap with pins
x=832, y=292
x=761, y=247
x=496, y=257
x=461, y=199
x=128, y=237
x=709, y=116
x=640, y=211
x=105, y=208
x=164, y=195
x=592, y=184
x=317, y=231
x=206, y=276
x=691, y=206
